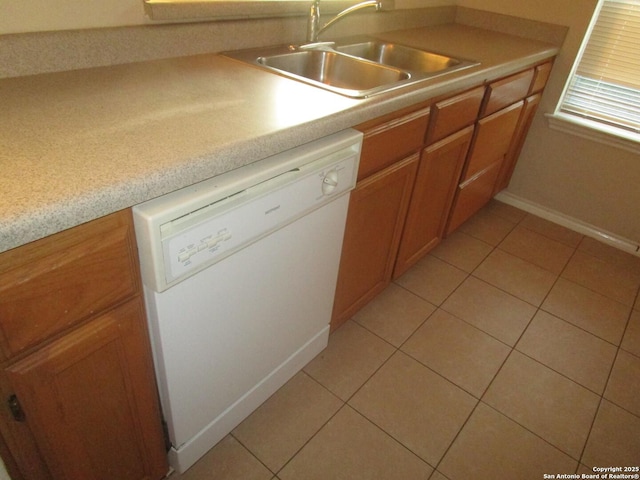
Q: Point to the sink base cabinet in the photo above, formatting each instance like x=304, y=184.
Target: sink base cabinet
x=79, y=387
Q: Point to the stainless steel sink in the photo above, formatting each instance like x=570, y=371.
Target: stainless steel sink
x=334, y=70
x=358, y=68
x=399, y=56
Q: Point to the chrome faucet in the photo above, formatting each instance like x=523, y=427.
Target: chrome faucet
x=313, y=25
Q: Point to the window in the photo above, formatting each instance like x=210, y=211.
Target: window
x=603, y=90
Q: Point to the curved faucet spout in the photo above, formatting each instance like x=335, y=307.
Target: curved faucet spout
x=313, y=26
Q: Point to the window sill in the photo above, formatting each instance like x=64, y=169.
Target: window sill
x=594, y=131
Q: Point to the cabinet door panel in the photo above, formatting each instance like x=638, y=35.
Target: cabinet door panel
x=520, y=135
x=493, y=137
x=433, y=194
x=377, y=210
x=91, y=402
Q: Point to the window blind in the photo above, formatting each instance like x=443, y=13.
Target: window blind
x=605, y=84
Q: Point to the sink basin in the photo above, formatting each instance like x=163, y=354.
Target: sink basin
x=334, y=70
x=399, y=56
x=358, y=67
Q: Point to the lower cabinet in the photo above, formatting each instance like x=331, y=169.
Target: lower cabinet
x=433, y=193
x=76, y=372
x=377, y=210
x=401, y=209
x=87, y=396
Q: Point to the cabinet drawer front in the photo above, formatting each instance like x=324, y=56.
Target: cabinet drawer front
x=507, y=91
x=540, y=77
x=393, y=140
x=75, y=278
x=472, y=196
x=453, y=114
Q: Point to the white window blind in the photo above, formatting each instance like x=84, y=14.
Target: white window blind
x=605, y=84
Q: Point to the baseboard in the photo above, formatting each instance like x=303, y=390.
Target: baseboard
x=570, y=223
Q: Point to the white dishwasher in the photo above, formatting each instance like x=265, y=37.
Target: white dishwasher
x=239, y=276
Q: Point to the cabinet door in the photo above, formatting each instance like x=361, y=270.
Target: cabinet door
x=432, y=197
x=377, y=210
x=90, y=400
x=520, y=135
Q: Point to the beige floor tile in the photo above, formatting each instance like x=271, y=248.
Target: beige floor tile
x=417, y=407
x=612, y=280
x=488, y=227
x=350, y=447
x=516, y=276
x=610, y=254
x=552, y=230
x=432, y=279
x=228, y=460
x=394, y=314
x=287, y=420
x=567, y=349
x=623, y=388
x=437, y=476
x=458, y=351
x=631, y=340
x=588, y=310
x=537, y=249
x=490, y=309
x=492, y=447
x=462, y=251
x=505, y=210
x=614, y=439
x=352, y=356
x=543, y=401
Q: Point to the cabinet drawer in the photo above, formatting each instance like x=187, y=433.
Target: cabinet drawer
x=507, y=91
x=540, y=77
x=391, y=141
x=54, y=283
x=472, y=196
x=453, y=114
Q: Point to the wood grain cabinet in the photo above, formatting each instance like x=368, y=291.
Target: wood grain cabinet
x=448, y=139
x=77, y=377
x=423, y=172
x=377, y=209
x=506, y=114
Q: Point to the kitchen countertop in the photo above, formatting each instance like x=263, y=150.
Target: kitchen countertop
x=78, y=145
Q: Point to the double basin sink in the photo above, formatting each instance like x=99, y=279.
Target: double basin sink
x=358, y=68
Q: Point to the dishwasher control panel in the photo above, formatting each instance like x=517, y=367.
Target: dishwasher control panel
x=186, y=231
x=251, y=214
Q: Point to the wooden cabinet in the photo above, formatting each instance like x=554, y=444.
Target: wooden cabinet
x=448, y=138
x=77, y=375
x=432, y=197
x=377, y=209
x=505, y=117
x=404, y=205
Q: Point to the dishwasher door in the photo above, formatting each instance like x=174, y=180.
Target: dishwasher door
x=227, y=337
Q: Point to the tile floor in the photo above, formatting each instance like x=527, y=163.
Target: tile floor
x=511, y=351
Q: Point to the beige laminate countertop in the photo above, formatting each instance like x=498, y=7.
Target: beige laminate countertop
x=78, y=145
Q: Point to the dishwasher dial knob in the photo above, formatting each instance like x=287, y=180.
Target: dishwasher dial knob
x=330, y=182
